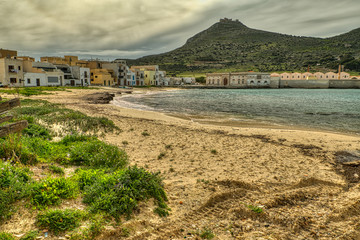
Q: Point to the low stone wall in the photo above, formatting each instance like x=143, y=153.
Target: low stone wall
x=304, y=83
x=344, y=83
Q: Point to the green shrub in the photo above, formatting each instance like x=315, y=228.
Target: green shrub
x=206, y=234
x=32, y=235
x=56, y=169
x=72, y=138
x=96, y=153
x=14, y=185
x=145, y=133
x=72, y=121
x=13, y=149
x=6, y=236
x=34, y=130
x=45, y=150
x=255, y=209
x=51, y=190
x=161, y=155
x=118, y=193
x=59, y=220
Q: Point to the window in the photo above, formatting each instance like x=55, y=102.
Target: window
x=85, y=74
x=53, y=80
x=12, y=80
x=104, y=83
x=28, y=80
x=11, y=68
x=19, y=67
x=96, y=76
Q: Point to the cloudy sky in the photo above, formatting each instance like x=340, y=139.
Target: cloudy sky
x=110, y=29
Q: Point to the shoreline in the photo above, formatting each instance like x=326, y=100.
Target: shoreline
x=211, y=171
x=221, y=120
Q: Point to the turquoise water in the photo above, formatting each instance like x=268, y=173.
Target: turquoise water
x=327, y=109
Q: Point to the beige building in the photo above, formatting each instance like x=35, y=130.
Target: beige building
x=101, y=77
x=11, y=72
x=241, y=79
x=4, y=53
x=314, y=76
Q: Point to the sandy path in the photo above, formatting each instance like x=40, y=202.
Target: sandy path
x=290, y=173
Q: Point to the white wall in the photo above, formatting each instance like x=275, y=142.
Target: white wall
x=32, y=77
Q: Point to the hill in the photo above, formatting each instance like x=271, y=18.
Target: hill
x=230, y=45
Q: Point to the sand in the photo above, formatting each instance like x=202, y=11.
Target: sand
x=213, y=174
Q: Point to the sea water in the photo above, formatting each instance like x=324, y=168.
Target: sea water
x=326, y=109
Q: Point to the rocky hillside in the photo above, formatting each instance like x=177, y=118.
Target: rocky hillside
x=232, y=45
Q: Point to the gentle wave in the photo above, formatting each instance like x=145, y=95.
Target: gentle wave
x=328, y=109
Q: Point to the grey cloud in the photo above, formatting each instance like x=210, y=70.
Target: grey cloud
x=140, y=27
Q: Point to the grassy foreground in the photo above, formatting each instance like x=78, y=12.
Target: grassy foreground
x=75, y=165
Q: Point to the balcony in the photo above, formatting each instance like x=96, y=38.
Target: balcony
x=12, y=71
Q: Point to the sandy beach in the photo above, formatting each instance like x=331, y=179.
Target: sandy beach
x=215, y=176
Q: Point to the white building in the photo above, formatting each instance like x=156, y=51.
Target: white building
x=81, y=75
x=35, y=79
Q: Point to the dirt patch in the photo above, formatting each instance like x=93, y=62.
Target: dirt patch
x=348, y=165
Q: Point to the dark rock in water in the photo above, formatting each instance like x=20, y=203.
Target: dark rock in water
x=100, y=98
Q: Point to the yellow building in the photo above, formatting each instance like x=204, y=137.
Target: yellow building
x=151, y=74
x=101, y=77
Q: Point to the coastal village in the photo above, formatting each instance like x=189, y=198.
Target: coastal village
x=24, y=71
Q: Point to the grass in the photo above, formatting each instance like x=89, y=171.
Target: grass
x=14, y=185
x=31, y=91
x=95, y=153
x=213, y=151
x=118, y=193
x=206, y=234
x=71, y=121
x=32, y=235
x=56, y=169
x=255, y=208
x=145, y=133
x=107, y=186
x=6, y=236
x=51, y=190
x=58, y=221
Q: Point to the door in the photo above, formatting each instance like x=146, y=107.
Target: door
x=225, y=81
x=72, y=82
x=38, y=82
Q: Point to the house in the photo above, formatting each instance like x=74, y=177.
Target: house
x=81, y=75
x=119, y=70
x=285, y=76
x=101, y=77
x=4, y=53
x=54, y=76
x=151, y=74
x=11, y=71
x=319, y=75
x=307, y=76
x=240, y=79
x=139, y=76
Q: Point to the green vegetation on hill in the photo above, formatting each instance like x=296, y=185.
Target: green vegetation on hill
x=231, y=46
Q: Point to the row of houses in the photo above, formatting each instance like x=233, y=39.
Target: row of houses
x=314, y=76
x=258, y=79
x=19, y=71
